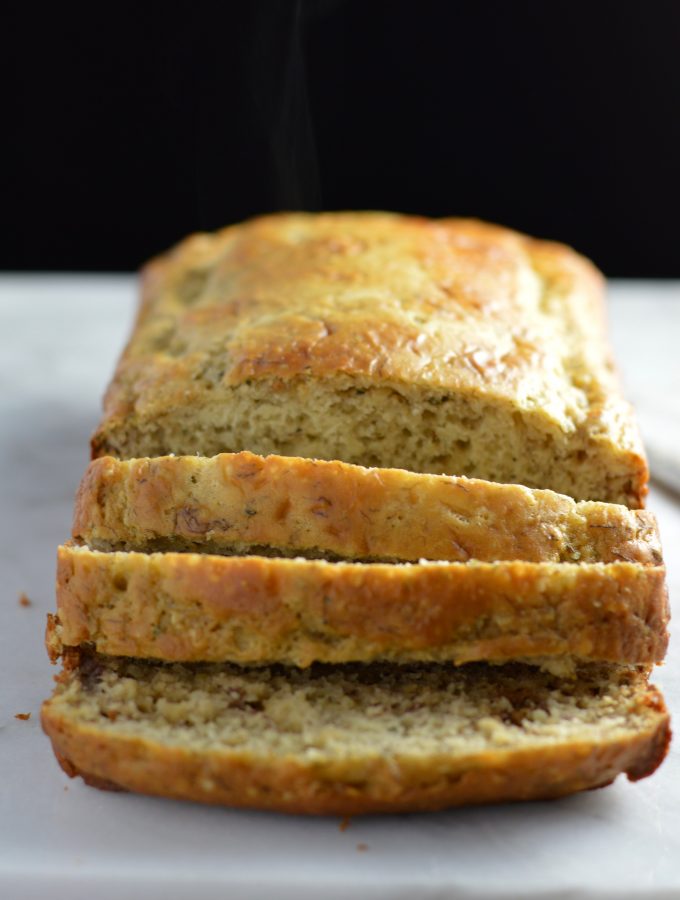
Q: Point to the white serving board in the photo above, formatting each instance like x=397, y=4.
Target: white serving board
x=59, y=337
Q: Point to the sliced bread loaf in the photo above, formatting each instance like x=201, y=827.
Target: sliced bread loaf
x=437, y=346
x=200, y=607
x=352, y=739
x=239, y=503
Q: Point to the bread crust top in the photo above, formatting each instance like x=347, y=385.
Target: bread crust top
x=392, y=298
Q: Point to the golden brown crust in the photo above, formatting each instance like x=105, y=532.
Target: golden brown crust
x=238, y=501
x=92, y=780
x=184, y=606
x=354, y=786
x=359, y=301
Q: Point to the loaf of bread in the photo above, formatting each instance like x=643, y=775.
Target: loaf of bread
x=445, y=346
x=363, y=531
x=255, y=610
x=244, y=503
x=353, y=739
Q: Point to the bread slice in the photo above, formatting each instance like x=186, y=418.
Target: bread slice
x=199, y=607
x=353, y=739
x=437, y=346
x=240, y=503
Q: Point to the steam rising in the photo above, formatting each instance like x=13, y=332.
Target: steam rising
x=282, y=104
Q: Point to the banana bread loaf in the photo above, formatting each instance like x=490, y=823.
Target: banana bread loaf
x=447, y=346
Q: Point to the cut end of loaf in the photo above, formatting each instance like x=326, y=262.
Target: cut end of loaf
x=388, y=427
x=351, y=739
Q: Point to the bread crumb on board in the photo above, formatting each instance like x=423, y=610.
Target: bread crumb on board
x=23, y=716
x=345, y=823
x=362, y=848
x=24, y=600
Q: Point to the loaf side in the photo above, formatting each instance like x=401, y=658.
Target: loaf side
x=243, y=503
x=255, y=610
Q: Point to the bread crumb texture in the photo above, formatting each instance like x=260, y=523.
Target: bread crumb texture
x=353, y=738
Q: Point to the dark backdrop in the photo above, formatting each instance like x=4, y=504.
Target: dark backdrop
x=128, y=126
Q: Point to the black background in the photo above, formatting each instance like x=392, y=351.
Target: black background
x=127, y=127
